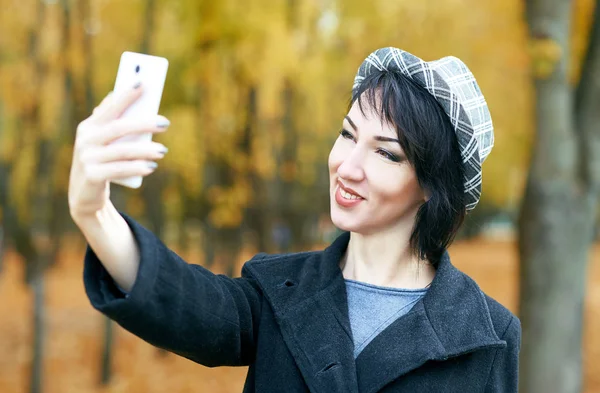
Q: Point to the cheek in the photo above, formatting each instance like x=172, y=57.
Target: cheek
x=395, y=184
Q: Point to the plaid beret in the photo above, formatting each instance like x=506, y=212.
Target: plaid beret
x=453, y=85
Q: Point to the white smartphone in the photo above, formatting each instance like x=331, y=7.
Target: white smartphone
x=151, y=71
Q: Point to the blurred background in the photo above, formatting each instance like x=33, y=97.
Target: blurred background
x=256, y=93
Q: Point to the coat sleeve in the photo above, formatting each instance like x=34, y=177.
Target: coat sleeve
x=184, y=308
x=504, y=375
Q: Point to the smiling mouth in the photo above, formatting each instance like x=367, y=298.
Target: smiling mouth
x=346, y=199
x=348, y=193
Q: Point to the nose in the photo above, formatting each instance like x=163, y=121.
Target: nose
x=352, y=167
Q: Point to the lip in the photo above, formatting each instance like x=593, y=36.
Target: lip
x=348, y=189
x=343, y=202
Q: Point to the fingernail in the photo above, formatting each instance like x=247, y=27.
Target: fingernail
x=163, y=150
x=152, y=164
x=137, y=85
x=163, y=123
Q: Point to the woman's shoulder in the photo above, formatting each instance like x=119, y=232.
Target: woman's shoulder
x=263, y=257
x=502, y=318
x=303, y=273
x=293, y=263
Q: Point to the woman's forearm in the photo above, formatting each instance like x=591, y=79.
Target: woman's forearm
x=110, y=237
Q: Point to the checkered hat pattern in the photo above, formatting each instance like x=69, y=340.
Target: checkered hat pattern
x=453, y=85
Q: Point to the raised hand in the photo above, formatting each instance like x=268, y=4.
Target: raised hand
x=96, y=161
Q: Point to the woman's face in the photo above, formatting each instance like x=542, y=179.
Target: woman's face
x=373, y=187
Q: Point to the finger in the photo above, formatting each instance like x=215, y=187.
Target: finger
x=98, y=173
x=103, y=103
x=124, y=151
x=115, y=107
x=121, y=127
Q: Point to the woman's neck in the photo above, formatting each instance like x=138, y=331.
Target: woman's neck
x=386, y=259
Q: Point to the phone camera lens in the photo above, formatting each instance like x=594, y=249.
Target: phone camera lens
x=137, y=69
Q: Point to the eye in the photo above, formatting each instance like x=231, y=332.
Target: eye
x=346, y=135
x=388, y=155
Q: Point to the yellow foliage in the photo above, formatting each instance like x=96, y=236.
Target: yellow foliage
x=308, y=175
x=52, y=95
x=228, y=204
x=545, y=56
x=136, y=205
x=307, y=153
x=186, y=152
x=262, y=163
x=224, y=217
x=22, y=182
x=287, y=171
x=18, y=85
x=8, y=142
x=172, y=199
x=64, y=158
x=221, y=51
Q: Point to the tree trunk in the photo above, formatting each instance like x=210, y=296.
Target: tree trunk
x=293, y=215
x=2, y=250
x=106, y=370
x=86, y=97
x=3, y=187
x=36, y=253
x=257, y=216
x=4, y=224
x=153, y=185
x=36, y=382
x=558, y=212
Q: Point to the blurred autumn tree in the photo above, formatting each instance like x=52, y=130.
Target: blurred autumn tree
x=38, y=120
x=558, y=216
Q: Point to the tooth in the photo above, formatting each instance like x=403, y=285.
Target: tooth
x=347, y=195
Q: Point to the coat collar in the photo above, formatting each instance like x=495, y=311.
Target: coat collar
x=307, y=293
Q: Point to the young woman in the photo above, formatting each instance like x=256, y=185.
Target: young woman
x=382, y=309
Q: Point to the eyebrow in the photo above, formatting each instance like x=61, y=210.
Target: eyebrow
x=377, y=137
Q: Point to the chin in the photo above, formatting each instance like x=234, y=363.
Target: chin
x=346, y=222
x=349, y=221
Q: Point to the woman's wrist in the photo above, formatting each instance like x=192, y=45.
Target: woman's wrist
x=111, y=239
x=90, y=222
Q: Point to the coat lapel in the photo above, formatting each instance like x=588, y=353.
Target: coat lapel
x=321, y=345
x=307, y=293
x=452, y=319
x=308, y=297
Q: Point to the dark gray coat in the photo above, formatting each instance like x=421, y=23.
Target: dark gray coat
x=287, y=318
